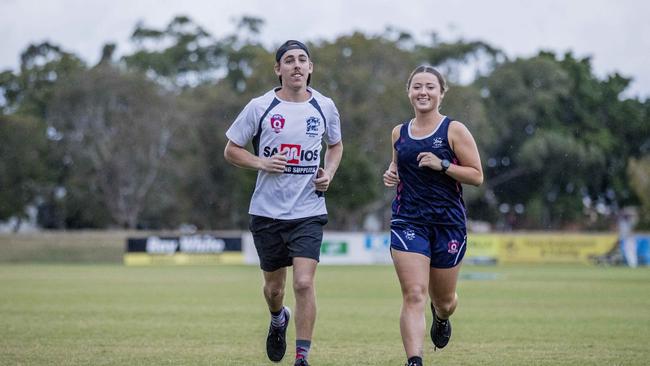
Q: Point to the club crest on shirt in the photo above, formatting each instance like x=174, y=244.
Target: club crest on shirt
x=277, y=123
x=409, y=234
x=312, y=126
x=453, y=246
x=437, y=142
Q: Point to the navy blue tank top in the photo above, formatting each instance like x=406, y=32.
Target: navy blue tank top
x=423, y=194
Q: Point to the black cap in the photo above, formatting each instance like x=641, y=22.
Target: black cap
x=291, y=44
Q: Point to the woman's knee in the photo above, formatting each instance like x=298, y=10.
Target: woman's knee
x=415, y=294
x=446, y=304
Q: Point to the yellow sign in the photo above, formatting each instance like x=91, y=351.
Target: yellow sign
x=541, y=248
x=143, y=259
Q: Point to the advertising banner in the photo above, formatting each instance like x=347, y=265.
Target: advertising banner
x=374, y=248
x=539, y=247
x=184, y=249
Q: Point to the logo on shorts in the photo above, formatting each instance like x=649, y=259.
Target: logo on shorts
x=277, y=123
x=409, y=234
x=312, y=126
x=453, y=247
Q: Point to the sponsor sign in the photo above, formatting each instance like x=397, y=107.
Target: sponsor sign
x=184, y=249
x=374, y=248
x=334, y=247
x=539, y=247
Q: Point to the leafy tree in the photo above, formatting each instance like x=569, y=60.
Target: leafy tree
x=183, y=54
x=41, y=66
x=22, y=167
x=548, y=157
x=117, y=129
x=521, y=97
x=24, y=96
x=597, y=114
x=560, y=145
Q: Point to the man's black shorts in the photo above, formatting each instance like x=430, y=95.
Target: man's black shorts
x=279, y=241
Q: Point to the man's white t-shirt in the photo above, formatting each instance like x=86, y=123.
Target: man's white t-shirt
x=274, y=125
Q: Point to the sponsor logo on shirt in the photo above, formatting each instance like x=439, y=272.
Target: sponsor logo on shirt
x=437, y=142
x=312, y=126
x=277, y=123
x=295, y=156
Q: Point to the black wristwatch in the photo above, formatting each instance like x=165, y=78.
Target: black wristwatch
x=444, y=163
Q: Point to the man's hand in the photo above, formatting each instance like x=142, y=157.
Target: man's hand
x=322, y=180
x=276, y=163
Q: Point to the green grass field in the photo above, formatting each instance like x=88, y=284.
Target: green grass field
x=508, y=315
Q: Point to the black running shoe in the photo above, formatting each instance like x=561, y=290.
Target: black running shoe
x=276, y=341
x=440, y=330
x=301, y=362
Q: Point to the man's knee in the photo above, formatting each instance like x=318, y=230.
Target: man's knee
x=303, y=285
x=273, y=290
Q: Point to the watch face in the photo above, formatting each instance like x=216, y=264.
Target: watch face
x=445, y=163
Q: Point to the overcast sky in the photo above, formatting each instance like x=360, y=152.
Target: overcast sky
x=616, y=34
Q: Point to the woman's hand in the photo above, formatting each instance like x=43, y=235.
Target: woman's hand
x=429, y=160
x=391, y=178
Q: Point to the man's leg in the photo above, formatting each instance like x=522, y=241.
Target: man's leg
x=274, y=288
x=304, y=271
x=304, y=244
x=276, y=342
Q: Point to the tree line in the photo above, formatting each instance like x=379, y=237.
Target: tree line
x=137, y=141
